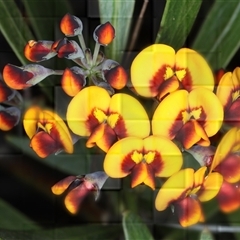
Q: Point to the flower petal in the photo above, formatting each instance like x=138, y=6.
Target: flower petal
x=44, y=145
x=189, y=211
x=232, y=115
x=170, y=159
x=9, y=117
x=80, y=116
x=210, y=187
x=174, y=188
x=116, y=77
x=62, y=185
x=130, y=119
x=168, y=116
x=6, y=93
x=193, y=64
x=210, y=118
x=199, y=176
x=118, y=162
x=73, y=80
x=229, y=197
x=71, y=25
x=39, y=51
x=104, y=33
x=150, y=68
x=75, y=197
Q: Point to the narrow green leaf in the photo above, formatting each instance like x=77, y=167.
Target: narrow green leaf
x=83, y=232
x=75, y=164
x=119, y=13
x=206, y=235
x=217, y=39
x=44, y=14
x=177, y=21
x=134, y=228
x=14, y=28
x=12, y=219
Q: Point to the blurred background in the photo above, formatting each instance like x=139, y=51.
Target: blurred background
x=28, y=208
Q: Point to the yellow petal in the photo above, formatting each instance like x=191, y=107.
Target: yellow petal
x=150, y=68
x=210, y=117
x=81, y=107
x=118, y=162
x=133, y=117
x=62, y=185
x=168, y=116
x=170, y=155
x=211, y=186
x=194, y=64
x=174, y=188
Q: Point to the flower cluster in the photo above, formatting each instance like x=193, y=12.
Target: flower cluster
x=136, y=142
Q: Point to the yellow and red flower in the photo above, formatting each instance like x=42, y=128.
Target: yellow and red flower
x=47, y=131
x=104, y=119
x=226, y=161
x=158, y=70
x=9, y=117
x=188, y=117
x=228, y=92
x=78, y=187
x=185, y=190
x=144, y=159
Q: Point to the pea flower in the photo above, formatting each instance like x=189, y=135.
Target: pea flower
x=228, y=93
x=226, y=161
x=158, y=70
x=103, y=119
x=185, y=190
x=188, y=117
x=90, y=70
x=144, y=159
x=47, y=131
x=10, y=103
x=78, y=187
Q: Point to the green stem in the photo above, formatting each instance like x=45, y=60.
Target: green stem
x=82, y=43
x=95, y=54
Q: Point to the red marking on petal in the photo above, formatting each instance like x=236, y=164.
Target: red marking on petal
x=96, y=134
x=128, y=163
x=5, y=92
x=120, y=128
x=167, y=87
x=176, y=126
x=15, y=77
x=108, y=139
x=218, y=75
x=75, y=197
x=71, y=25
x=229, y=197
x=230, y=168
x=189, y=211
x=7, y=121
x=187, y=82
x=71, y=82
x=66, y=50
x=192, y=133
x=104, y=33
x=44, y=145
x=117, y=77
x=157, y=80
x=232, y=113
x=156, y=165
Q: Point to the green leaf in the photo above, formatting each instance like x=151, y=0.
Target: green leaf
x=217, y=39
x=14, y=28
x=206, y=235
x=44, y=14
x=83, y=232
x=119, y=13
x=12, y=219
x=134, y=228
x=76, y=163
x=177, y=21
